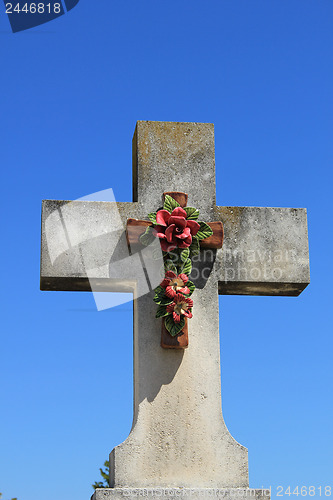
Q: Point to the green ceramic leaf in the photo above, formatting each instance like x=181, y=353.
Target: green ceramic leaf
x=159, y=289
x=147, y=237
x=161, y=311
x=159, y=294
x=161, y=298
x=164, y=301
x=195, y=247
x=192, y=213
x=172, y=327
x=152, y=217
x=177, y=328
x=170, y=203
x=170, y=266
x=185, y=254
x=187, y=267
x=168, y=322
x=173, y=255
x=204, y=231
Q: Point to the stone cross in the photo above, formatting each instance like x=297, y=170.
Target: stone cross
x=178, y=438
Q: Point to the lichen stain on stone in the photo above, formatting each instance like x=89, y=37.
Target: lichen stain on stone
x=170, y=141
x=231, y=218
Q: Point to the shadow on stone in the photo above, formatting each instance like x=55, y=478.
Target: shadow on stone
x=202, y=266
x=174, y=359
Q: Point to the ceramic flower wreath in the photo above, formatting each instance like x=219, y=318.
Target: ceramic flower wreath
x=179, y=233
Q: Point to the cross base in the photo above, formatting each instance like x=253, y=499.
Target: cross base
x=181, y=493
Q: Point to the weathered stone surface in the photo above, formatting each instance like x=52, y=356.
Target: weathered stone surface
x=181, y=493
x=178, y=436
x=265, y=251
x=177, y=156
x=81, y=236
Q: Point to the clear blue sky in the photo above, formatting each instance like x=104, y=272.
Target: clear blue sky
x=71, y=92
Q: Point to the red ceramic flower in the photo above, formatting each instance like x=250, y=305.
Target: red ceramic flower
x=181, y=306
x=174, y=229
x=174, y=284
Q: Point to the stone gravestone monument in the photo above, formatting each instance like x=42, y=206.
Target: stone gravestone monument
x=179, y=444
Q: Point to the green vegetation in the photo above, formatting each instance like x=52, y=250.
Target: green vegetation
x=105, y=475
x=11, y=499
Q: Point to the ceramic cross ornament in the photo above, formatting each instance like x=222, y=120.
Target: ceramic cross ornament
x=181, y=237
x=178, y=438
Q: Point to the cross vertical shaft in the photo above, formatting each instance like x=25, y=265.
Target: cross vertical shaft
x=179, y=436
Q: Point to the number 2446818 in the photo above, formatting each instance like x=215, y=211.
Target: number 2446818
x=304, y=491
x=33, y=8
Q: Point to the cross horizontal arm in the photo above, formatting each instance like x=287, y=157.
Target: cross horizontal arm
x=265, y=251
x=79, y=238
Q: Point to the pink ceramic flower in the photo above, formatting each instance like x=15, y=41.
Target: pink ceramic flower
x=174, y=230
x=181, y=306
x=174, y=284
